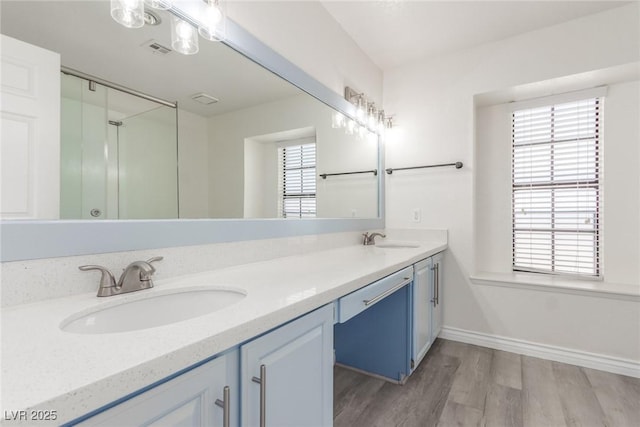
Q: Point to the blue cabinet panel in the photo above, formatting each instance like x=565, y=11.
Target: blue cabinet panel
x=378, y=339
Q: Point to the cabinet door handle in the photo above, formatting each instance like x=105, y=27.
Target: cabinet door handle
x=387, y=292
x=225, y=405
x=434, y=300
x=437, y=283
x=263, y=394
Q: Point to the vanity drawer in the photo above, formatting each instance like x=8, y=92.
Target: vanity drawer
x=358, y=301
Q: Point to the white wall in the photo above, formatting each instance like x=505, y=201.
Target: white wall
x=193, y=165
x=434, y=104
x=260, y=179
x=307, y=35
x=337, y=197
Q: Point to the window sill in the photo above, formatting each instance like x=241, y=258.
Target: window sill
x=540, y=282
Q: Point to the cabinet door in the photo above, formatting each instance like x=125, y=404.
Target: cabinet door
x=187, y=400
x=422, y=305
x=436, y=317
x=287, y=374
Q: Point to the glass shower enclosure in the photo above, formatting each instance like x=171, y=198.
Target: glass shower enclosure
x=119, y=154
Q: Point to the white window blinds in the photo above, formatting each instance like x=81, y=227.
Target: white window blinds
x=297, y=181
x=556, y=200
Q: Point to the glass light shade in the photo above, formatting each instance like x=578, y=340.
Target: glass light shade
x=129, y=13
x=381, y=120
x=372, y=119
x=213, y=24
x=360, y=110
x=184, y=37
x=159, y=4
x=337, y=120
x=351, y=127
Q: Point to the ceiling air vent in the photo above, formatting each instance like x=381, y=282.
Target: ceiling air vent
x=155, y=47
x=205, y=99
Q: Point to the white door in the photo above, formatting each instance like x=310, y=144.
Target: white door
x=290, y=372
x=188, y=400
x=30, y=122
x=422, y=305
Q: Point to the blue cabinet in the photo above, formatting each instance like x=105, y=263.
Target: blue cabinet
x=374, y=333
x=427, y=306
x=204, y=396
x=437, y=291
x=287, y=374
x=422, y=309
x=286, y=378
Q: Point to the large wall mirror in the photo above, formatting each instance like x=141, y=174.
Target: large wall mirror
x=147, y=133
x=242, y=142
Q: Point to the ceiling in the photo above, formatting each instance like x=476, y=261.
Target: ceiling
x=397, y=32
x=90, y=41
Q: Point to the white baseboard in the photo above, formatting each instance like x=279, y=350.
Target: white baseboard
x=585, y=359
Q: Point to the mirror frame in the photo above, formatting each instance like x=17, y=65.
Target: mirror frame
x=26, y=239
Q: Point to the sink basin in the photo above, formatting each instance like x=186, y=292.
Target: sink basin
x=149, y=311
x=397, y=245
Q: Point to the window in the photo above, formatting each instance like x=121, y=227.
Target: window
x=556, y=197
x=297, y=180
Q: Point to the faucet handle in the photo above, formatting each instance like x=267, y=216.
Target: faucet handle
x=106, y=280
x=365, y=240
x=153, y=270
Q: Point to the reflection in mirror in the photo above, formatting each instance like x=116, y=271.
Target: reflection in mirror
x=118, y=154
x=242, y=142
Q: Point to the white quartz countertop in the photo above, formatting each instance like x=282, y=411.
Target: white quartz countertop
x=73, y=374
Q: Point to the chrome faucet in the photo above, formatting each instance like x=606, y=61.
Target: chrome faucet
x=370, y=239
x=136, y=277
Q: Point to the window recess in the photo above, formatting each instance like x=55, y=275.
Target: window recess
x=556, y=194
x=297, y=179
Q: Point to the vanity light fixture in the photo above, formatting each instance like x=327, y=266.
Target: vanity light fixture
x=367, y=115
x=388, y=122
x=213, y=24
x=361, y=107
x=357, y=99
x=184, y=37
x=129, y=13
x=337, y=120
x=151, y=18
x=372, y=117
x=350, y=129
x=159, y=4
x=381, y=124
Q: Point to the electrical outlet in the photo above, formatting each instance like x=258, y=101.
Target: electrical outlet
x=416, y=215
x=354, y=213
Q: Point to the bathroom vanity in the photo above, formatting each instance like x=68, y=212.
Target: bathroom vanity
x=273, y=349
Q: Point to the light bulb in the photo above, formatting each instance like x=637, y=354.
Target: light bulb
x=337, y=120
x=381, y=126
x=184, y=30
x=213, y=23
x=129, y=13
x=184, y=38
x=360, y=113
x=372, y=118
x=351, y=127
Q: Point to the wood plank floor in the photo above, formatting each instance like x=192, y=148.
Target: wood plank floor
x=465, y=385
